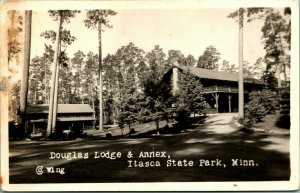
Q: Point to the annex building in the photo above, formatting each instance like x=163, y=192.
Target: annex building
x=220, y=88
x=69, y=116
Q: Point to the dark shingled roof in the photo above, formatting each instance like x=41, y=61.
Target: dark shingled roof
x=216, y=75
x=85, y=118
x=62, y=108
x=66, y=119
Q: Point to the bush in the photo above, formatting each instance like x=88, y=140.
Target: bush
x=182, y=116
x=270, y=100
x=255, y=110
x=58, y=135
x=260, y=104
x=132, y=131
x=284, y=121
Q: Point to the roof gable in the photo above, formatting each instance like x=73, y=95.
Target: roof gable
x=62, y=108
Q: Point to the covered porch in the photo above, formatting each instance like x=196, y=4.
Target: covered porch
x=63, y=123
x=220, y=102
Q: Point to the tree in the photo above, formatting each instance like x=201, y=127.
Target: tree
x=66, y=39
x=239, y=14
x=65, y=74
x=275, y=27
x=126, y=70
x=255, y=110
x=259, y=105
x=189, y=61
x=14, y=30
x=111, y=85
x=24, y=82
x=156, y=60
x=97, y=19
x=50, y=126
x=226, y=67
x=288, y=31
x=15, y=102
x=174, y=57
x=258, y=68
x=209, y=59
x=14, y=47
x=130, y=60
x=190, y=96
x=248, y=70
x=158, y=97
x=276, y=37
x=123, y=74
x=78, y=64
x=241, y=56
x=270, y=79
x=142, y=70
x=91, y=73
x=269, y=100
x=39, y=79
x=63, y=17
x=37, y=72
x=130, y=108
x=47, y=58
x=253, y=71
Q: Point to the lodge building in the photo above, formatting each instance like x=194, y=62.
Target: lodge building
x=220, y=88
x=69, y=116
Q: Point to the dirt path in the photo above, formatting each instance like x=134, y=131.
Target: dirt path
x=220, y=123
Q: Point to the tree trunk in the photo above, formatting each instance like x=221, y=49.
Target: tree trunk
x=24, y=82
x=278, y=67
x=241, y=78
x=82, y=101
x=55, y=101
x=93, y=105
x=100, y=78
x=35, y=96
x=6, y=114
x=167, y=119
x=45, y=83
x=55, y=66
x=157, y=126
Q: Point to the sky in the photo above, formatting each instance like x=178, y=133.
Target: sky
x=187, y=30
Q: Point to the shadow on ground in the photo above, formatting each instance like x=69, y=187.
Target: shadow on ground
x=270, y=154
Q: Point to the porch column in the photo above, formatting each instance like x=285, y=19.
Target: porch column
x=216, y=96
x=33, y=128
x=82, y=125
x=229, y=102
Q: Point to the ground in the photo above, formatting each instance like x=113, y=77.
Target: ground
x=115, y=130
x=216, y=140
x=268, y=125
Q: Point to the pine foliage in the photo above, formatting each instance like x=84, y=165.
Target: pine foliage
x=255, y=110
x=191, y=93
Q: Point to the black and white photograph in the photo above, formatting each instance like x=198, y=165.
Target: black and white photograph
x=149, y=95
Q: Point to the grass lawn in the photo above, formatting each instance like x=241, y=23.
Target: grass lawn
x=138, y=128
x=268, y=126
